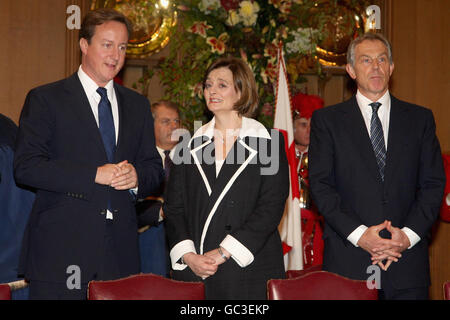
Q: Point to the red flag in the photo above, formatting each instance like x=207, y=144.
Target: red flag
x=290, y=226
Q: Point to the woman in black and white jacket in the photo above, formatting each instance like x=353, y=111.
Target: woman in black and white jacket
x=227, y=193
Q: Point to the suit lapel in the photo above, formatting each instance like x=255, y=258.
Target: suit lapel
x=123, y=123
x=201, y=155
x=398, y=131
x=79, y=104
x=354, y=123
x=229, y=168
x=233, y=166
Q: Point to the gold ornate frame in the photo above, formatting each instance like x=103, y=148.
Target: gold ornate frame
x=152, y=21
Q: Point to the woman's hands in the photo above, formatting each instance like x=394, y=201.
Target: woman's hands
x=202, y=265
x=205, y=265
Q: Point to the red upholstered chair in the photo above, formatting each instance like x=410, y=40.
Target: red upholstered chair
x=447, y=290
x=298, y=273
x=5, y=292
x=319, y=285
x=145, y=287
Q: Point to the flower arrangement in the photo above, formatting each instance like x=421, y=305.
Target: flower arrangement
x=252, y=30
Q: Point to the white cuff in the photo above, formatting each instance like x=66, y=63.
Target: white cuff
x=412, y=236
x=238, y=251
x=180, y=249
x=134, y=190
x=356, y=234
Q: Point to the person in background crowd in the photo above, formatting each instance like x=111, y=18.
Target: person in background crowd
x=377, y=177
x=222, y=208
x=445, y=208
x=15, y=207
x=87, y=145
x=303, y=106
x=152, y=238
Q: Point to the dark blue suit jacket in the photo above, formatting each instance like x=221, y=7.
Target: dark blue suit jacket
x=59, y=148
x=348, y=190
x=15, y=204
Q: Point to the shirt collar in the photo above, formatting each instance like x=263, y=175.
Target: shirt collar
x=249, y=128
x=90, y=87
x=364, y=102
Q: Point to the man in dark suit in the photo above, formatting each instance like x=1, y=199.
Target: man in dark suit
x=152, y=236
x=87, y=146
x=15, y=207
x=377, y=177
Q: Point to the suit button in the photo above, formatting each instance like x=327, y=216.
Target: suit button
x=103, y=211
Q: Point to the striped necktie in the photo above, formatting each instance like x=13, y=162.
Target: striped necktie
x=377, y=138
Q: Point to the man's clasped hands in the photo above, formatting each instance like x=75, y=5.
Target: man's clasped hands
x=120, y=176
x=384, y=251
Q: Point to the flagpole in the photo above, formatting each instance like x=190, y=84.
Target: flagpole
x=290, y=226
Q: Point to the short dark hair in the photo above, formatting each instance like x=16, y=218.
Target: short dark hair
x=244, y=82
x=164, y=103
x=97, y=17
x=367, y=36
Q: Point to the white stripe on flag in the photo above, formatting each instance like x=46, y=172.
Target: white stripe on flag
x=290, y=226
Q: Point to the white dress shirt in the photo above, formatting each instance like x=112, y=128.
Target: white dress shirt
x=90, y=88
x=384, y=115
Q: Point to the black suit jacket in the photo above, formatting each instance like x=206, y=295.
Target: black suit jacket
x=59, y=148
x=240, y=201
x=348, y=190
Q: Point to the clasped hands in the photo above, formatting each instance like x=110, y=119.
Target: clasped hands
x=207, y=264
x=120, y=176
x=384, y=249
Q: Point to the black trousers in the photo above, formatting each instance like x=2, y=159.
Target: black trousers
x=108, y=270
x=389, y=292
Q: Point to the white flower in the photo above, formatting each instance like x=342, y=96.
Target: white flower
x=305, y=40
x=207, y=6
x=248, y=12
x=233, y=18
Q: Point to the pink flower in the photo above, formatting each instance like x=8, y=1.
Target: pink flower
x=243, y=54
x=230, y=4
x=269, y=73
x=271, y=51
x=200, y=27
x=182, y=7
x=267, y=109
x=218, y=44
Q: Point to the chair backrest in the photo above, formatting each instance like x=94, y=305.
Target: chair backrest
x=447, y=290
x=320, y=285
x=145, y=287
x=298, y=273
x=5, y=292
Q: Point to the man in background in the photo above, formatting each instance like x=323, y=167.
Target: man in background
x=303, y=106
x=152, y=237
x=15, y=207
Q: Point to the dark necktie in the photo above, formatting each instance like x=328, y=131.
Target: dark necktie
x=377, y=138
x=106, y=124
x=167, y=165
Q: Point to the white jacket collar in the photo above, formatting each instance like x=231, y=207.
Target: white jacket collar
x=250, y=128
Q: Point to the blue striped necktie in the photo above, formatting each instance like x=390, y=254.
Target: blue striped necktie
x=377, y=138
x=106, y=124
